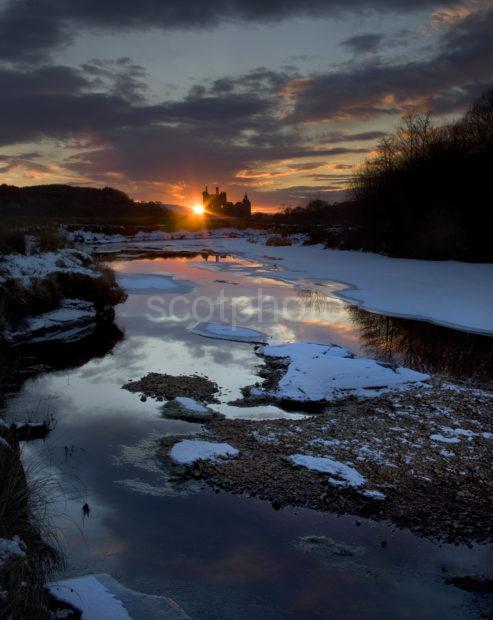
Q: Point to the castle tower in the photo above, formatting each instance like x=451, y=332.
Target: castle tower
x=247, y=206
x=206, y=198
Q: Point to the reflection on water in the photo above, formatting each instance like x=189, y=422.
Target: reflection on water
x=424, y=346
x=222, y=556
x=27, y=360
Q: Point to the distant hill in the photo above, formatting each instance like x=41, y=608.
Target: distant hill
x=178, y=209
x=69, y=202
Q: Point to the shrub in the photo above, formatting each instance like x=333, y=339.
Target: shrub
x=12, y=240
x=277, y=241
x=50, y=239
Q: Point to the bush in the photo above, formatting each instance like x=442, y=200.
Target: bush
x=103, y=291
x=12, y=240
x=50, y=239
x=277, y=241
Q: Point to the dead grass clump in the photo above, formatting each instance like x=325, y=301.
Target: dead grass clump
x=17, y=302
x=23, y=579
x=50, y=239
x=278, y=241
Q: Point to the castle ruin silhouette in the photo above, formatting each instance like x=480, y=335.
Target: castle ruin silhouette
x=218, y=204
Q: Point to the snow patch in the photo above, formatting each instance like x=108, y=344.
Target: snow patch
x=190, y=404
x=24, y=268
x=454, y=435
x=188, y=451
x=264, y=437
x=346, y=475
x=91, y=597
x=323, y=373
x=373, y=494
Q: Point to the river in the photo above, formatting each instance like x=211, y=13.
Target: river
x=221, y=555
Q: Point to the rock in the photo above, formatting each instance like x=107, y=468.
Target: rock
x=184, y=408
x=276, y=504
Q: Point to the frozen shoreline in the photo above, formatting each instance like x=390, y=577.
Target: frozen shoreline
x=449, y=293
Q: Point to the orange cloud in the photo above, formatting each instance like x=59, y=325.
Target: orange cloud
x=448, y=16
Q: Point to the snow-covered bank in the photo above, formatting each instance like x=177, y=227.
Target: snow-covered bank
x=451, y=293
x=73, y=320
x=54, y=295
x=24, y=268
x=321, y=373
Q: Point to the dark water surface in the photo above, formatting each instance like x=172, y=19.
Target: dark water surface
x=221, y=555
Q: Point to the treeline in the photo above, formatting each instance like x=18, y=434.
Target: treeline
x=320, y=212
x=66, y=202
x=426, y=194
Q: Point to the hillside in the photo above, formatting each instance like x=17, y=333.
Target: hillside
x=68, y=202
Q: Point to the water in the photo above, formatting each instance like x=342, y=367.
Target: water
x=222, y=555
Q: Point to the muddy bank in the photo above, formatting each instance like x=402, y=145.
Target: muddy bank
x=424, y=456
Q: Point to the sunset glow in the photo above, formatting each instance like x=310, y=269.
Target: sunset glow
x=198, y=209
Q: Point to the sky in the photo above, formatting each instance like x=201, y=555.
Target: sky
x=281, y=99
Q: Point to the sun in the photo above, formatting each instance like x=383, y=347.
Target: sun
x=198, y=209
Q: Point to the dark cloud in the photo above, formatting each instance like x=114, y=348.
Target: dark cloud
x=25, y=162
x=363, y=43
x=215, y=109
x=260, y=80
x=363, y=136
x=120, y=76
x=30, y=29
x=168, y=153
x=302, y=194
x=462, y=67
x=47, y=80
